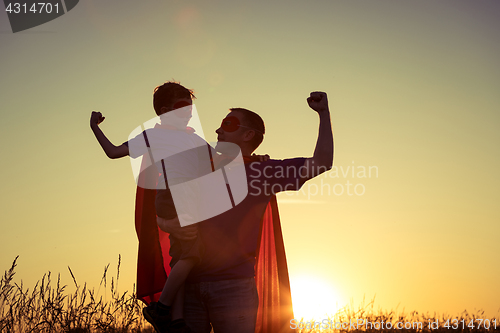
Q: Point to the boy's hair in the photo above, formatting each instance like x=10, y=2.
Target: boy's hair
x=168, y=93
x=254, y=121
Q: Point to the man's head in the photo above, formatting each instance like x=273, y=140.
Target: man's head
x=242, y=127
x=170, y=96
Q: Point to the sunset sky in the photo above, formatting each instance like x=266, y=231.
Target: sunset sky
x=413, y=88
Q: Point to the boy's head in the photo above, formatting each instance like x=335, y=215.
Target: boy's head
x=166, y=96
x=242, y=127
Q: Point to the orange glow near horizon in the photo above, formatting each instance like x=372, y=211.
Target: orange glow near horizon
x=313, y=297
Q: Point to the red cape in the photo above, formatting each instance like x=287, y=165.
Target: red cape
x=271, y=271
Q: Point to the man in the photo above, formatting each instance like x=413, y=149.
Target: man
x=178, y=152
x=221, y=291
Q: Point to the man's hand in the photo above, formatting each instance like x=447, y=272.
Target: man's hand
x=260, y=158
x=96, y=118
x=173, y=227
x=318, y=101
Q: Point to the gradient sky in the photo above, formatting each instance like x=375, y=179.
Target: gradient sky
x=411, y=86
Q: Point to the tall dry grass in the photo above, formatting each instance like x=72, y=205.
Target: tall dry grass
x=49, y=308
x=383, y=321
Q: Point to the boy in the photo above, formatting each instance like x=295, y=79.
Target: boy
x=165, y=145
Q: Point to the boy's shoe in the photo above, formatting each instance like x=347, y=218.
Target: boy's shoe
x=179, y=326
x=159, y=322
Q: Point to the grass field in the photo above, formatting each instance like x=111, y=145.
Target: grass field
x=48, y=307
x=366, y=319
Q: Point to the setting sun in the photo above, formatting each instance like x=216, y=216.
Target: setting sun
x=313, y=297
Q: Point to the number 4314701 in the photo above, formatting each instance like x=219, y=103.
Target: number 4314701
x=36, y=8
x=472, y=324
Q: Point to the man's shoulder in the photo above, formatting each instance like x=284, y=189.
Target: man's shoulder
x=278, y=162
x=274, y=167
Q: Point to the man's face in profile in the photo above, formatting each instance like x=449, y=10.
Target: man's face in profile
x=231, y=130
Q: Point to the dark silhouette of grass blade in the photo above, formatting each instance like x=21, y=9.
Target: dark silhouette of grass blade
x=49, y=308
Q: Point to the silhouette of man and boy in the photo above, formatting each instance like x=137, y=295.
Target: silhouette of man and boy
x=227, y=268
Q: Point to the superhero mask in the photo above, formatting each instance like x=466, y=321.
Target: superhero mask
x=231, y=124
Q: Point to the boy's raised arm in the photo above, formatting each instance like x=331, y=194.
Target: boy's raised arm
x=110, y=149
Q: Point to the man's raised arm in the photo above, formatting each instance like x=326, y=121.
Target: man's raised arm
x=110, y=149
x=322, y=159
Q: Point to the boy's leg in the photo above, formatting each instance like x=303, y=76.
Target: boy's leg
x=178, y=324
x=160, y=314
x=155, y=316
x=178, y=305
x=175, y=280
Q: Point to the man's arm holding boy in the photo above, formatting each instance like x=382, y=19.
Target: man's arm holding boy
x=110, y=149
